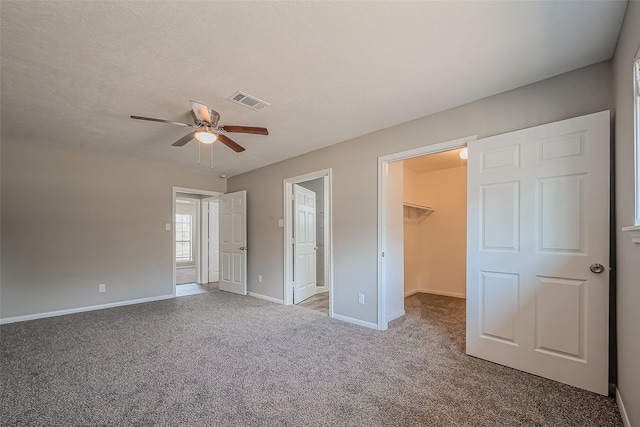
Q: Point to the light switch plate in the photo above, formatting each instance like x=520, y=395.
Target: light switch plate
x=281, y=223
x=167, y=226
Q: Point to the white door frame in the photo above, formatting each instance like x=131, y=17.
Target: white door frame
x=382, y=197
x=205, y=243
x=193, y=191
x=328, y=233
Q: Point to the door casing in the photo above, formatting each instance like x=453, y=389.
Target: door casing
x=383, y=221
x=194, y=191
x=288, y=226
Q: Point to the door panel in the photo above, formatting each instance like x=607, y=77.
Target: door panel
x=233, y=242
x=499, y=306
x=304, y=266
x=560, y=302
x=538, y=217
x=500, y=216
x=561, y=205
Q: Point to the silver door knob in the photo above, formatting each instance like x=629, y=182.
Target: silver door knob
x=242, y=248
x=596, y=268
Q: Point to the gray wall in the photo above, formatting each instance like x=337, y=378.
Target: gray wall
x=628, y=256
x=354, y=187
x=71, y=220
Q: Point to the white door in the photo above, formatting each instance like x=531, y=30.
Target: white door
x=538, y=228
x=214, y=242
x=304, y=226
x=233, y=242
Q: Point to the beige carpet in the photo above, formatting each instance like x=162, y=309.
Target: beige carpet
x=220, y=359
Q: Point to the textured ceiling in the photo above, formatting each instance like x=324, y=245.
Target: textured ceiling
x=73, y=72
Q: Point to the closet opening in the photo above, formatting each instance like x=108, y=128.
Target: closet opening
x=434, y=198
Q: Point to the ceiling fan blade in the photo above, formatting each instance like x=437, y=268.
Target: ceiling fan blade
x=182, y=141
x=230, y=143
x=246, y=129
x=150, y=119
x=200, y=111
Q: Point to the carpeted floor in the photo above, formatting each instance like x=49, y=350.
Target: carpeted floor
x=218, y=359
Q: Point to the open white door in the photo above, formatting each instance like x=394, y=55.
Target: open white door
x=304, y=226
x=538, y=250
x=214, y=242
x=233, y=242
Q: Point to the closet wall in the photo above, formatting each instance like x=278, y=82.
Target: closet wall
x=435, y=244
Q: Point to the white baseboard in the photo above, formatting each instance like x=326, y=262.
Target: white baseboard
x=396, y=315
x=321, y=289
x=266, y=298
x=355, y=321
x=80, y=309
x=435, y=292
x=623, y=412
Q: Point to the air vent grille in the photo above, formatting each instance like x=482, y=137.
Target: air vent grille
x=247, y=100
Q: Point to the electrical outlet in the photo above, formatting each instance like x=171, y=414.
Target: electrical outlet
x=360, y=298
x=102, y=287
x=259, y=278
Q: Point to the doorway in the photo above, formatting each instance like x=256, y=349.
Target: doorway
x=435, y=224
x=307, y=229
x=391, y=272
x=195, y=231
x=537, y=248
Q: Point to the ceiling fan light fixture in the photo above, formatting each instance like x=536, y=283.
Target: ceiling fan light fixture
x=206, y=137
x=464, y=153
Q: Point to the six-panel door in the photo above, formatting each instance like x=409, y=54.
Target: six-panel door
x=538, y=218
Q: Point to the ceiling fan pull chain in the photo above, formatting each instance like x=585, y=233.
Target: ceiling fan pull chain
x=199, y=152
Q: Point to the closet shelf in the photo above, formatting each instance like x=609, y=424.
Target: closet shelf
x=422, y=211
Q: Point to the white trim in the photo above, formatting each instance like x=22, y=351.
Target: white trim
x=321, y=289
x=443, y=293
x=382, y=161
x=203, y=234
x=395, y=316
x=634, y=233
x=288, y=225
x=623, y=411
x=81, y=309
x=358, y=322
x=266, y=298
x=636, y=137
x=435, y=292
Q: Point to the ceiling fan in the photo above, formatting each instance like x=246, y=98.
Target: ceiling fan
x=207, y=130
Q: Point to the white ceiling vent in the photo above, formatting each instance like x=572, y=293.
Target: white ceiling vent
x=247, y=100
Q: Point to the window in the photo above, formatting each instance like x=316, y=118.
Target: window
x=636, y=135
x=184, y=244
